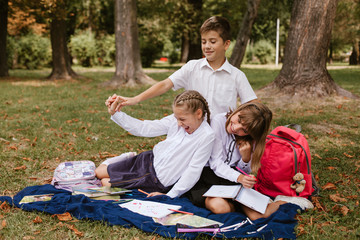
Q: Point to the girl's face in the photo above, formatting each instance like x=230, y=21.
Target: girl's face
x=235, y=127
x=187, y=120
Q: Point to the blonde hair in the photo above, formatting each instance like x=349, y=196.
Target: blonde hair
x=193, y=101
x=256, y=117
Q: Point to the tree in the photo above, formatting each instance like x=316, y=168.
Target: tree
x=304, y=72
x=61, y=68
x=127, y=60
x=244, y=33
x=3, y=34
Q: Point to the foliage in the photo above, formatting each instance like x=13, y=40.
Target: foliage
x=83, y=48
x=264, y=51
x=44, y=123
x=105, y=46
x=33, y=51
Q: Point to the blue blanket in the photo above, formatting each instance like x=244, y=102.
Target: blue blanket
x=279, y=225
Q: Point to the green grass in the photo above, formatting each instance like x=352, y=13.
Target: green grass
x=44, y=123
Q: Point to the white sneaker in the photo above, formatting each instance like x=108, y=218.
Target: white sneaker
x=300, y=201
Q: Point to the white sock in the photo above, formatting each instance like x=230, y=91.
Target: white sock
x=119, y=158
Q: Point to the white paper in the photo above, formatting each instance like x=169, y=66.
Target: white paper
x=223, y=191
x=149, y=208
x=253, y=199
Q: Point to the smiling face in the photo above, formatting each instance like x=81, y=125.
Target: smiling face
x=187, y=120
x=213, y=46
x=236, y=127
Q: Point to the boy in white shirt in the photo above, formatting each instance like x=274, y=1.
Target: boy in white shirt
x=213, y=76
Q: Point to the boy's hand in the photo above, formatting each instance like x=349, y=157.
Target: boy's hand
x=245, y=151
x=126, y=101
x=114, y=105
x=110, y=100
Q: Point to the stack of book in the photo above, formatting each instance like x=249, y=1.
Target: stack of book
x=100, y=193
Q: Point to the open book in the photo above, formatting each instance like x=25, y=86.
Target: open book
x=94, y=191
x=249, y=197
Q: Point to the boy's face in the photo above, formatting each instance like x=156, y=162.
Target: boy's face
x=213, y=46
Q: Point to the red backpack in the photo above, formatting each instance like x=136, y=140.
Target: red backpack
x=286, y=153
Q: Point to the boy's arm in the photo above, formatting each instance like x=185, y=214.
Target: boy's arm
x=155, y=90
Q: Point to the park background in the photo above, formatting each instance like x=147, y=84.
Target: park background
x=49, y=117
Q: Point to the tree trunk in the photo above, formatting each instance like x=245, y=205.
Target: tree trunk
x=3, y=34
x=128, y=70
x=244, y=33
x=60, y=54
x=355, y=55
x=304, y=72
x=185, y=46
x=195, y=51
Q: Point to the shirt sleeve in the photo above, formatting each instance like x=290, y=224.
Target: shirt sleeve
x=192, y=173
x=245, y=91
x=218, y=154
x=181, y=76
x=146, y=128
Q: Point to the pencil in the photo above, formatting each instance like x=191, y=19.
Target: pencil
x=181, y=211
x=147, y=194
x=245, y=173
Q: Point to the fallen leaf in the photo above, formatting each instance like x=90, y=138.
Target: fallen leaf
x=3, y=224
x=64, y=216
x=331, y=168
x=5, y=207
x=316, y=202
x=329, y=186
x=37, y=220
x=342, y=209
x=77, y=232
x=348, y=155
x=317, y=155
x=23, y=167
x=337, y=198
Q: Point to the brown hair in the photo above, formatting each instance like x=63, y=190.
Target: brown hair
x=193, y=100
x=218, y=24
x=256, y=117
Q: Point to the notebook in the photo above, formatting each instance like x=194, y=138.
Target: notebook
x=249, y=197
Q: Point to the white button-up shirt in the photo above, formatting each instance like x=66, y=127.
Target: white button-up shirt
x=180, y=158
x=223, y=144
x=220, y=88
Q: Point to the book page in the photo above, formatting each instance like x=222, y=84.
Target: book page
x=223, y=191
x=149, y=208
x=253, y=199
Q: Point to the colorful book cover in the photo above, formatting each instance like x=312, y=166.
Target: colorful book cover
x=36, y=198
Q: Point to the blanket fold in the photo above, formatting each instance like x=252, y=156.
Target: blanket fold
x=279, y=225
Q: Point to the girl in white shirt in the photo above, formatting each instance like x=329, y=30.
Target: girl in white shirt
x=175, y=164
x=239, y=142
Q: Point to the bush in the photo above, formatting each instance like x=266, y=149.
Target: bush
x=33, y=51
x=11, y=46
x=150, y=49
x=264, y=51
x=106, y=50
x=83, y=48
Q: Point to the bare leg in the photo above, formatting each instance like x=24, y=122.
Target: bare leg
x=219, y=205
x=105, y=182
x=253, y=215
x=101, y=171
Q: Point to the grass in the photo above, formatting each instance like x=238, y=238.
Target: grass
x=44, y=123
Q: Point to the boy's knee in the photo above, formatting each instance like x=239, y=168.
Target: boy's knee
x=218, y=205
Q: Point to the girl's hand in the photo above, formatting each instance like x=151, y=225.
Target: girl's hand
x=110, y=100
x=114, y=105
x=155, y=194
x=247, y=181
x=245, y=151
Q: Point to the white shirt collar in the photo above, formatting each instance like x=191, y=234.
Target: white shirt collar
x=226, y=66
